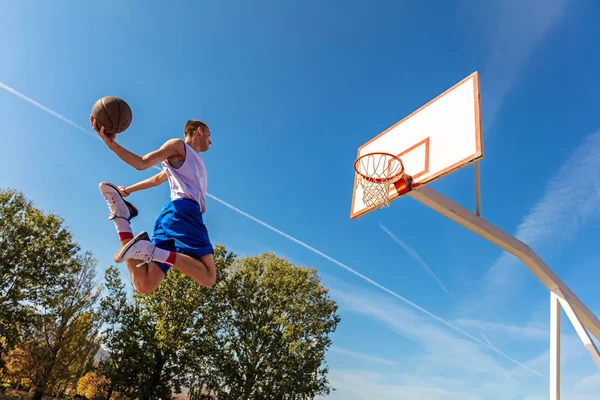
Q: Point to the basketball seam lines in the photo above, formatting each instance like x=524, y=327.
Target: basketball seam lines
x=130, y=119
x=119, y=118
x=107, y=114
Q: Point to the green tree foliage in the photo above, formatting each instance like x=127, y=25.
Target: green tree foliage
x=269, y=325
x=34, y=250
x=127, y=338
x=261, y=332
x=147, y=336
x=46, y=297
x=174, y=309
x=144, y=336
x=64, y=338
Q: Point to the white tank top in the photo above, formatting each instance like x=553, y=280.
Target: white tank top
x=189, y=180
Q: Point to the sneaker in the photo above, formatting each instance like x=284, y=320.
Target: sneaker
x=138, y=248
x=117, y=205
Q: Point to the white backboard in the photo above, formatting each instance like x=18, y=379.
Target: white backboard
x=441, y=137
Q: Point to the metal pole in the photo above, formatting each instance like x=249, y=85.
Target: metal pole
x=554, y=347
x=477, y=189
x=581, y=332
x=536, y=265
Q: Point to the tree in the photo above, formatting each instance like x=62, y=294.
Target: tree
x=266, y=332
x=175, y=310
x=262, y=331
x=125, y=338
x=64, y=335
x=34, y=248
x=146, y=336
x=94, y=386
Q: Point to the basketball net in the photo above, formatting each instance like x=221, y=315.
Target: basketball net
x=376, y=172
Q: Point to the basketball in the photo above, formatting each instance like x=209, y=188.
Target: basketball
x=112, y=113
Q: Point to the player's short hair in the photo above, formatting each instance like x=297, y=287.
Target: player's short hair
x=192, y=125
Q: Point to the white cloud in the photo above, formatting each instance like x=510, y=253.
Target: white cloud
x=579, y=377
x=417, y=258
x=474, y=376
x=571, y=200
x=510, y=30
x=440, y=350
x=362, y=356
x=587, y=387
x=444, y=365
x=361, y=384
x=512, y=331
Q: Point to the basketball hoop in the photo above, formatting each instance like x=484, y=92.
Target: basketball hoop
x=376, y=172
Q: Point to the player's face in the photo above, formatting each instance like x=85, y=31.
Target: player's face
x=205, y=139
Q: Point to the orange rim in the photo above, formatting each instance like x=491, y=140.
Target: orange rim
x=392, y=178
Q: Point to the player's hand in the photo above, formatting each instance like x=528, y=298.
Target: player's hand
x=108, y=139
x=123, y=191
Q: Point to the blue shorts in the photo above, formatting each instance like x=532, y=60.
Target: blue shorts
x=180, y=228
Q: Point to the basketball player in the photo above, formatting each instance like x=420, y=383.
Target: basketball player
x=180, y=238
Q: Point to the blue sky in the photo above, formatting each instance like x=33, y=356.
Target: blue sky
x=290, y=91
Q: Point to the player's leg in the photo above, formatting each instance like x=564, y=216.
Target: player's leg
x=145, y=278
x=202, y=269
x=141, y=250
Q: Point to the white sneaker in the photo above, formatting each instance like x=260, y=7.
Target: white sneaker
x=138, y=248
x=117, y=205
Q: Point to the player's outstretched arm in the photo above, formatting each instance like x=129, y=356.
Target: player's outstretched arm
x=151, y=182
x=171, y=148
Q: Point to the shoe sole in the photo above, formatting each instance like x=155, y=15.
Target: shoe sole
x=118, y=258
x=133, y=211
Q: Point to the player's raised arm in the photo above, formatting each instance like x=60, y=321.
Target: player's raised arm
x=171, y=148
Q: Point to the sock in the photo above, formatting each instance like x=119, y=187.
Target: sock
x=164, y=256
x=123, y=228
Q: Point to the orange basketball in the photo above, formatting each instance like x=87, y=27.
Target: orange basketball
x=113, y=113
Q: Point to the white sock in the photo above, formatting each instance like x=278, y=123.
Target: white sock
x=122, y=225
x=123, y=228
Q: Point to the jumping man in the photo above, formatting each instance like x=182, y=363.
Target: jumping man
x=180, y=238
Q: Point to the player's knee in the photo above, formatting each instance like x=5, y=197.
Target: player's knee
x=145, y=289
x=143, y=286
x=211, y=273
x=210, y=279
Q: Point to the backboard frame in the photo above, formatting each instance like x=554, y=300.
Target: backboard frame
x=474, y=157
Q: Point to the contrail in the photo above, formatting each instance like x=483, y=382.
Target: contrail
x=293, y=239
x=486, y=339
x=49, y=111
x=416, y=257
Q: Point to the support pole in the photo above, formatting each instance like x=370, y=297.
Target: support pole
x=581, y=332
x=477, y=190
x=554, y=347
x=455, y=212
